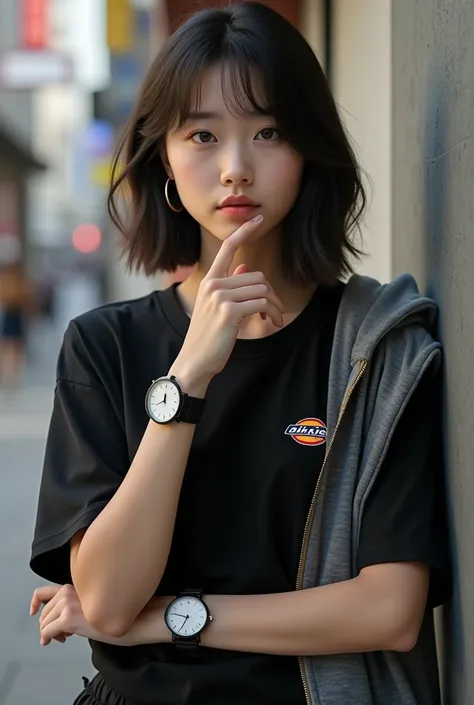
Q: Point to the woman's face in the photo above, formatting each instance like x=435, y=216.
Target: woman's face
x=216, y=155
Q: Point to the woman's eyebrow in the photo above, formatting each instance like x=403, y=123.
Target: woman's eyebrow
x=202, y=115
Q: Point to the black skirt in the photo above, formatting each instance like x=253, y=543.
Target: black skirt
x=97, y=692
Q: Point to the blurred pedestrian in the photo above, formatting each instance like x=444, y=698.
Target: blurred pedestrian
x=242, y=477
x=16, y=307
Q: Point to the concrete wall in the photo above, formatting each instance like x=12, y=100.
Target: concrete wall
x=433, y=237
x=403, y=76
x=313, y=28
x=360, y=74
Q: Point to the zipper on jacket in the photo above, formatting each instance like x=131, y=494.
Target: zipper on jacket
x=309, y=518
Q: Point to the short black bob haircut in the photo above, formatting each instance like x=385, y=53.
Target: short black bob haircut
x=247, y=39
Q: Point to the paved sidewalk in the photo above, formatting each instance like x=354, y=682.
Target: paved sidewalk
x=29, y=674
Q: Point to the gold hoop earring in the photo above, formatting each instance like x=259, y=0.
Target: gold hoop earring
x=175, y=210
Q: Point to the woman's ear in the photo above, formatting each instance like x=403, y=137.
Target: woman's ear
x=166, y=164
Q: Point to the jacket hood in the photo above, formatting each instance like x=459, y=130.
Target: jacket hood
x=378, y=308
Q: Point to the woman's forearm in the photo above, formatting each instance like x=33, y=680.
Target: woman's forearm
x=129, y=542
x=381, y=610
x=334, y=619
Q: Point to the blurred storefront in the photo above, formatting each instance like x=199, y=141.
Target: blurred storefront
x=17, y=163
x=17, y=157
x=52, y=57
x=66, y=212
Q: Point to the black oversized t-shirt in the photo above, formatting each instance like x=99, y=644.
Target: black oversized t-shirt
x=249, y=481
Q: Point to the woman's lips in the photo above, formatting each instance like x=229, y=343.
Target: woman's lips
x=243, y=211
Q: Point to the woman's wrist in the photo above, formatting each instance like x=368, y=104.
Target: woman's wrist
x=190, y=381
x=150, y=626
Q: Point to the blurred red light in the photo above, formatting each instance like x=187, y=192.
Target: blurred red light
x=34, y=24
x=86, y=238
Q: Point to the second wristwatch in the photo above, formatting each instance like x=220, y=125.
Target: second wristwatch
x=186, y=617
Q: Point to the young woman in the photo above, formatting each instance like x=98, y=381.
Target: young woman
x=260, y=525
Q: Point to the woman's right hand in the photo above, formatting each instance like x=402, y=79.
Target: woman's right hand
x=222, y=304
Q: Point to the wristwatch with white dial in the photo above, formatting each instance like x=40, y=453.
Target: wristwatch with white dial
x=186, y=617
x=166, y=402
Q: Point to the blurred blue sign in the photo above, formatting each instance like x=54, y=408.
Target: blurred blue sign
x=124, y=85
x=99, y=138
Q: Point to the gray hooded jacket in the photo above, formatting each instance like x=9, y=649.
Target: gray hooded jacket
x=383, y=344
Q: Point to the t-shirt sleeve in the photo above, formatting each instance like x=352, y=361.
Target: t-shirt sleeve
x=85, y=459
x=405, y=516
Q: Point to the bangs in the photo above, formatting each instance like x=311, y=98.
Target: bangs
x=248, y=70
x=243, y=91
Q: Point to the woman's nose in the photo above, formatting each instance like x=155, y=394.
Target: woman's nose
x=236, y=169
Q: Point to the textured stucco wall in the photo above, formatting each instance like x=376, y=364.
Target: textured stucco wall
x=313, y=28
x=360, y=76
x=433, y=237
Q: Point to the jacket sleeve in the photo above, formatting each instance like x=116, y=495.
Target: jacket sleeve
x=405, y=517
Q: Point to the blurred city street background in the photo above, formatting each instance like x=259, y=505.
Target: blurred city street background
x=29, y=673
x=403, y=76
x=69, y=73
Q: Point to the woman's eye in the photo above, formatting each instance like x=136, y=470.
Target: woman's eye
x=268, y=134
x=204, y=137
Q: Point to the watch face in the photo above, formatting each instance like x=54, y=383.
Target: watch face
x=163, y=400
x=186, y=616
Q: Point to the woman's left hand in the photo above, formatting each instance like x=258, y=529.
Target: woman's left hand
x=62, y=614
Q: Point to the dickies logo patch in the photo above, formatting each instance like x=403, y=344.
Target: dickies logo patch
x=308, y=432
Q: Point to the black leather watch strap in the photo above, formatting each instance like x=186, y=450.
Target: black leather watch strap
x=187, y=644
x=191, y=409
x=192, y=592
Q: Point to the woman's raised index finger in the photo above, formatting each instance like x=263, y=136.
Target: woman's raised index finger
x=223, y=260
